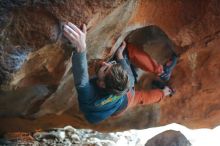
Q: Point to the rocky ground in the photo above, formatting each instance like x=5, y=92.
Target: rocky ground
x=69, y=136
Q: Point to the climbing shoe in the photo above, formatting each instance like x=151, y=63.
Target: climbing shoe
x=170, y=91
x=158, y=84
x=168, y=67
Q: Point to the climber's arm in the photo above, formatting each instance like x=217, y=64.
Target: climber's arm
x=80, y=69
x=84, y=89
x=79, y=60
x=124, y=63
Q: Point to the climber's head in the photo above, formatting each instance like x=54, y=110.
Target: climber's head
x=113, y=78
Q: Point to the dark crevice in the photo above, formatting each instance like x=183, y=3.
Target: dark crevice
x=10, y=62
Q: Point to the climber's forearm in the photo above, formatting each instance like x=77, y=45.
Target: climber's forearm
x=80, y=69
x=127, y=67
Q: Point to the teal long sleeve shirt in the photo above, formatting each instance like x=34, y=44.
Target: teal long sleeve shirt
x=95, y=103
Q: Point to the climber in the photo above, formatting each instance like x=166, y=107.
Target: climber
x=111, y=92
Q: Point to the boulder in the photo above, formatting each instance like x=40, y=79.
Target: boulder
x=168, y=138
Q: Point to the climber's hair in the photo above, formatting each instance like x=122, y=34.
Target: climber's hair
x=116, y=80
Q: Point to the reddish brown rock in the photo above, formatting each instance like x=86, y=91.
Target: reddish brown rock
x=41, y=93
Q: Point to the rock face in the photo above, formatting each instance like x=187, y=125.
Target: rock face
x=37, y=88
x=168, y=138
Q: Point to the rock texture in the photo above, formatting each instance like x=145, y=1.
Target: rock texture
x=168, y=138
x=69, y=136
x=37, y=88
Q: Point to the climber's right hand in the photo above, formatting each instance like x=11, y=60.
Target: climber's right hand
x=120, y=50
x=76, y=36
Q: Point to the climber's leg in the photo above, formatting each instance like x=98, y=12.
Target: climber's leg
x=141, y=59
x=141, y=98
x=145, y=97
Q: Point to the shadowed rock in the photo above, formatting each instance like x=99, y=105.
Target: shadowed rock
x=10, y=62
x=168, y=138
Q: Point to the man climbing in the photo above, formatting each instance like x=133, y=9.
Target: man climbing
x=112, y=92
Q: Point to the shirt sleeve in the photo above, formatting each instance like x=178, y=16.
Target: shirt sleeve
x=80, y=69
x=83, y=86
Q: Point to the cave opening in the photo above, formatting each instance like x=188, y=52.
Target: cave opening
x=154, y=41
x=157, y=44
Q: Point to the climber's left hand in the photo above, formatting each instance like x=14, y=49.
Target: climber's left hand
x=76, y=36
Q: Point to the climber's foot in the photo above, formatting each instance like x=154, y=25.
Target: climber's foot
x=168, y=91
x=168, y=68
